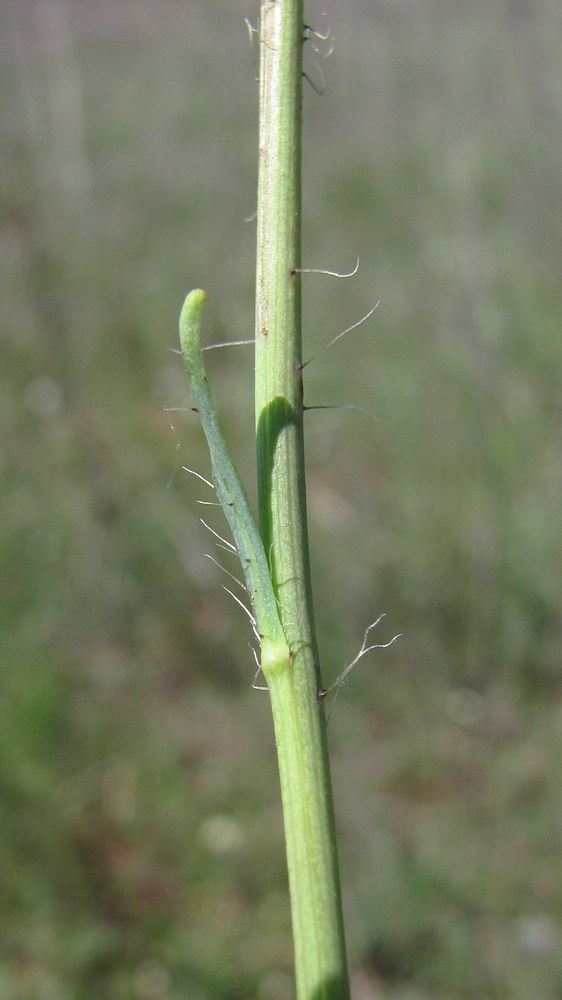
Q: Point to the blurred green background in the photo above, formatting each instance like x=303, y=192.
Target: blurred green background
x=141, y=850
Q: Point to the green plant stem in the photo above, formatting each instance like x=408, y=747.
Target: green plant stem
x=299, y=721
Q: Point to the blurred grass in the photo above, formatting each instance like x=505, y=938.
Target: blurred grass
x=141, y=847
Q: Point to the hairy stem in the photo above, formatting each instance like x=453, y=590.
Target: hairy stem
x=298, y=715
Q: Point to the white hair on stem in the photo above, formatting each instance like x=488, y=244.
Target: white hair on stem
x=198, y=475
x=341, y=334
x=225, y=543
x=365, y=648
x=225, y=570
x=331, y=274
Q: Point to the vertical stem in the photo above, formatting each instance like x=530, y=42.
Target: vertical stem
x=298, y=717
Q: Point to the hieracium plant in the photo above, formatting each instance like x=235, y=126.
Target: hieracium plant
x=274, y=552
